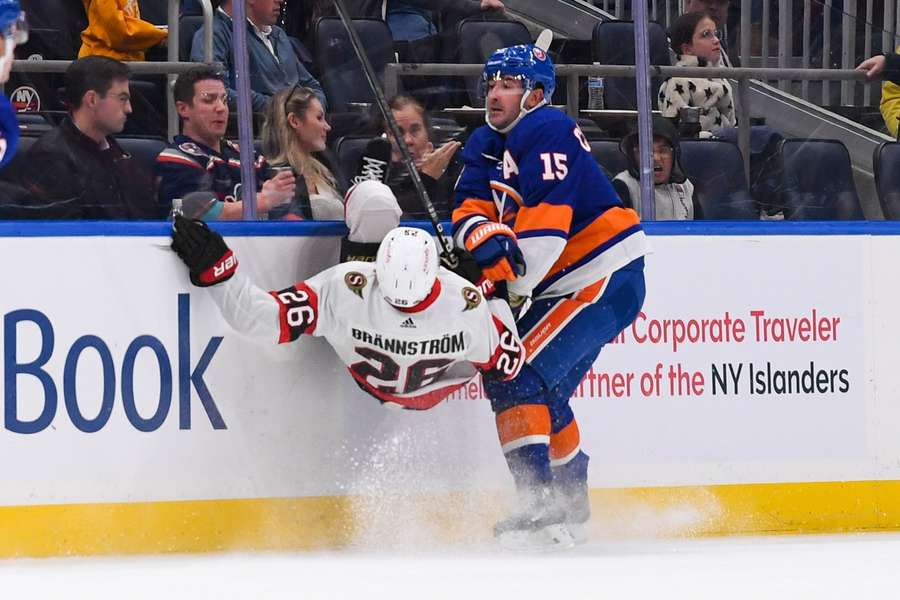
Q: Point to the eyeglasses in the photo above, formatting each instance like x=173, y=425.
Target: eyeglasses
x=708, y=33
x=211, y=97
x=663, y=150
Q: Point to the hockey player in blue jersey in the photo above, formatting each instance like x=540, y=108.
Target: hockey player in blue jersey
x=536, y=211
x=13, y=31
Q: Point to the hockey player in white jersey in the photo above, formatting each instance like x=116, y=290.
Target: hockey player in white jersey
x=409, y=331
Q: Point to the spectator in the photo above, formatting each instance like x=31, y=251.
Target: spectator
x=300, y=18
x=274, y=65
x=694, y=38
x=79, y=161
x=115, y=29
x=293, y=137
x=201, y=159
x=718, y=10
x=889, y=66
x=438, y=169
x=673, y=192
x=412, y=20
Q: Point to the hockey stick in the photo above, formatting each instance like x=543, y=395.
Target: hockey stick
x=391, y=122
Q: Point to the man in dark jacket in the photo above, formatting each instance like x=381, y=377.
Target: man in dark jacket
x=274, y=65
x=78, y=163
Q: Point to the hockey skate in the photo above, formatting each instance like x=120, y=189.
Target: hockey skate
x=575, y=504
x=570, y=489
x=540, y=526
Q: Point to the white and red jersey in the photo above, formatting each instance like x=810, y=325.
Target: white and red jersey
x=412, y=358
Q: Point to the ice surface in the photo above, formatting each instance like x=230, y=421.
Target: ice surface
x=854, y=567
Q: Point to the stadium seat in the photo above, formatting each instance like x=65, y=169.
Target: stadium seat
x=342, y=74
x=716, y=169
x=15, y=200
x=187, y=28
x=191, y=7
x=32, y=124
x=154, y=11
x=478, y=39
x=608, y=155
x=54, y=28
x=886, y=163
x=613, y=44
x=349, y=149
x=14, y=167
x=817, y=181
x=143, y=149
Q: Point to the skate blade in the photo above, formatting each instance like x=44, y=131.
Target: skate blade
x=579, y=532
x=551, y=538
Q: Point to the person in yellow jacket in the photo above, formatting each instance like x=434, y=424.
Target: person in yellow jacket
x=115, y=29
x=888, y=67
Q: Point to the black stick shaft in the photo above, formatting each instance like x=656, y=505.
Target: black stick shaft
x=393, y=127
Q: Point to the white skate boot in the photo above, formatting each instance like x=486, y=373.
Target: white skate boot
x=540, y=526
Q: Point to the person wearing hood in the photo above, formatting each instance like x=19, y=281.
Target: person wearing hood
x=694, y=37
x=673, y=191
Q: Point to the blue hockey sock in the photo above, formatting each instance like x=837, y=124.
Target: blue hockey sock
x=530, y=466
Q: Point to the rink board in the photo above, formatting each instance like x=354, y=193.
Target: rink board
x=755, y=393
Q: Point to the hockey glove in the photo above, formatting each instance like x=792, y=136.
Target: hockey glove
x=203, y=250
x=463, y=264
x=495, y=250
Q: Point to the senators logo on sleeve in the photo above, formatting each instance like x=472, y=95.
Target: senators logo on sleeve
x=298, y=311
x=472, y=298
x=356, y=282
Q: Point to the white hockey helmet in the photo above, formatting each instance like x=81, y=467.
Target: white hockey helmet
x=406, y=266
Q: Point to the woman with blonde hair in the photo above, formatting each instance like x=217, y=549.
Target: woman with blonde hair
x=294, y=137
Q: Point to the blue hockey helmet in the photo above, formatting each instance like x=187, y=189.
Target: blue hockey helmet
x=12, y=21
x=531, y=64
x=528, y=62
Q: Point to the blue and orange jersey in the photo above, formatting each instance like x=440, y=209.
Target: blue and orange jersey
x=572, y=228
x=186, y=166
x=480, y=155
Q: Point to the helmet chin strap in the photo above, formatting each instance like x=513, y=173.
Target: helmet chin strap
x=522, y=112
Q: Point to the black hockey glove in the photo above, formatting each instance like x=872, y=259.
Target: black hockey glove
x=208, y=258
x=463, y=264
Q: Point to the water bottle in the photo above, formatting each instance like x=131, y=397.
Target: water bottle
x=595, y=92
x=176, y=209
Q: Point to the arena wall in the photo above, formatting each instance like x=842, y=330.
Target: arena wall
x=757, y=392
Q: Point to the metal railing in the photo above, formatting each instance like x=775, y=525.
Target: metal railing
x=173, y=48
x=172, y=67
x=571, y=74
x=819, y=37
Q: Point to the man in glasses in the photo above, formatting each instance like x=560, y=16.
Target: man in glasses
x=79, y=164
x=202, y=160
x=673, y=192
